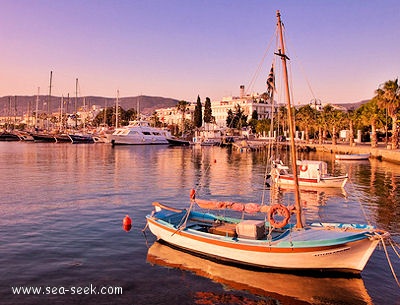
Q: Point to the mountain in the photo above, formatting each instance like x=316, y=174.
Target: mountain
x=16, y=105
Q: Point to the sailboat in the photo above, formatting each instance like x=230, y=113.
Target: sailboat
x=278, y=240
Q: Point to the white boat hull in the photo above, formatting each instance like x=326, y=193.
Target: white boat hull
x=331, y=181
x=127, y=140
x=352, y=157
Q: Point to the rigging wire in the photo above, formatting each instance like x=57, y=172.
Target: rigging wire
x=302, y=70
x=260, y=65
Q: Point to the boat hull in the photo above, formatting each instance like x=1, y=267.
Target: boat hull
x=125, y=140
x=352, y=157
x=299, y=250
x=339, y=181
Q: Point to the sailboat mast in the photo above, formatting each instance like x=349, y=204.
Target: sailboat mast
x=291, y=123
x=49, y=102
x=37, y=108
x=117, y=109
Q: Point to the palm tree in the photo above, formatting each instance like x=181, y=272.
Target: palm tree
x=333, y=120
x=305, y=118
x=388, y=97
x=371, y=114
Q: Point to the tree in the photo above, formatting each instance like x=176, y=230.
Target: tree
x=388, y=97
x=182, y=107
x=207, y=111
x=236, y=119
x=198, y=115
x=371, y=114
x=333, y=120
x=306, y=119
x=253, y=121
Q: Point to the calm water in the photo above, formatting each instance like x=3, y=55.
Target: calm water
x=62, y=207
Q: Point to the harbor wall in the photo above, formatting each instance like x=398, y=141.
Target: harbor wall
x=382, y=152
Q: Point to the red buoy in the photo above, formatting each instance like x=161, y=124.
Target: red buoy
x=192, y=194
x=127, y=223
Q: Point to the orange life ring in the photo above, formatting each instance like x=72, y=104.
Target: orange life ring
x=303, y=168
x=278, y=210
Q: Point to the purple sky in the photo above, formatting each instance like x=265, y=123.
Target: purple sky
x=340, y=51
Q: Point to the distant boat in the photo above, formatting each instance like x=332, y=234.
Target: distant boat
x=312, y=174
x=140, y=133
x=62, y=138
x=178, y=142
x=352, y=156
x=43, y=137
x=9, y=136
x=81, y=138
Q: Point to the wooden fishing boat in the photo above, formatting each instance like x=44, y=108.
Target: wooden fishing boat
x=352, y=156
x=279, y=239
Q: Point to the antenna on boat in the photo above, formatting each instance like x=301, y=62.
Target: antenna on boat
x=283, y=57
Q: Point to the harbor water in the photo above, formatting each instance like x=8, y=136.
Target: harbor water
x=62, y=241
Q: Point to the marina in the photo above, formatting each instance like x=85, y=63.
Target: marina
x=264, y=196
x=73, y=236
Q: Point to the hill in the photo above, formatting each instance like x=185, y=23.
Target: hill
x=16, y=105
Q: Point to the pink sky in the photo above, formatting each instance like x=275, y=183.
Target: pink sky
x=342, y=50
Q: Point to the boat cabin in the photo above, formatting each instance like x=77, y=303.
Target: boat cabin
x=310, y=169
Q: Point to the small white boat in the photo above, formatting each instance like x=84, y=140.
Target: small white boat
x=140, y=133
x=312, y=174
x=352, y=156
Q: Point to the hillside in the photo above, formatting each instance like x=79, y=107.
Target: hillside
x=16, y=105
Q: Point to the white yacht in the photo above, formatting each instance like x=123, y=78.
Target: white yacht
x=139, y=133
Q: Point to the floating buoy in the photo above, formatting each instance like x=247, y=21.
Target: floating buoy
x=192, y=194
x=127, y=223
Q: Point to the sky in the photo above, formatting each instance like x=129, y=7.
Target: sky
x=340, y=50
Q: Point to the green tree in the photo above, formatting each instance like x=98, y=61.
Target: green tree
x=253, y=121
x=388, y=97
x=198, y=115
x=305, y=119
x=372, y=115
x=236, y=119
x=182, y=107
x=263, y=126
x=207, y=111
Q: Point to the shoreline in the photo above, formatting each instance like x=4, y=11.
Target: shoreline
x=381, y=152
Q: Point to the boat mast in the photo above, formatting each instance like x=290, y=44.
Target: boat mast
x=49, y=102
x=37, y=109
x=291, y=123
x=117, y=109
x=76, y=103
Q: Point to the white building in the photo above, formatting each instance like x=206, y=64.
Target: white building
x=248, y=103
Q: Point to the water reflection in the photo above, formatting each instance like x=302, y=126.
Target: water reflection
x=279, y=287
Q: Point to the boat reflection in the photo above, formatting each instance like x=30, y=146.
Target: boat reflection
x=285, y=288
x=311, y=199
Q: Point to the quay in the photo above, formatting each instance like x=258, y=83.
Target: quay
x=381, y=152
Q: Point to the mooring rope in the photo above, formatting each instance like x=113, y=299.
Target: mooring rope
x=388, y=258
